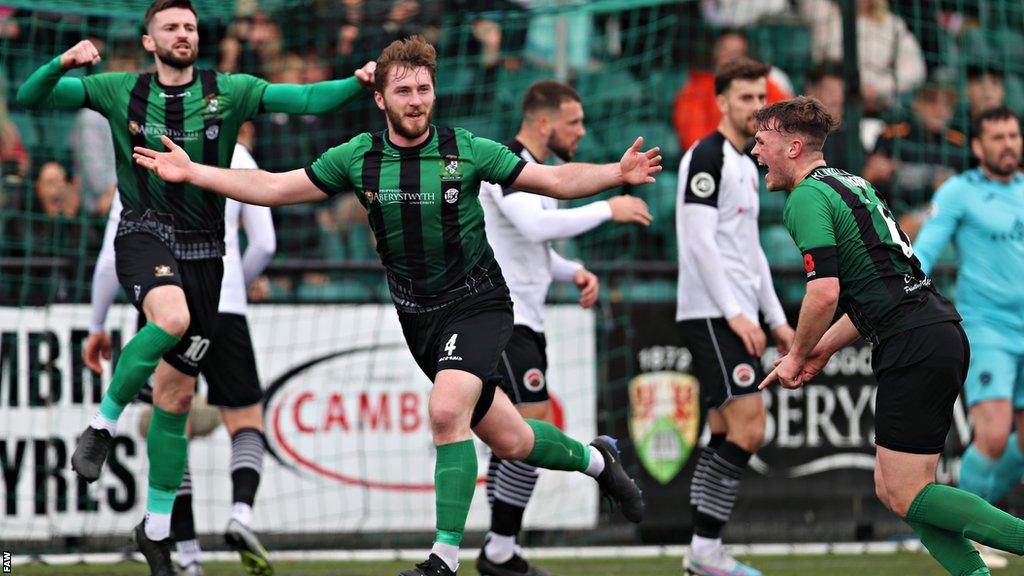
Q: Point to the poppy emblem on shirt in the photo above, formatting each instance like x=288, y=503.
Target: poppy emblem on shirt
x=808, y=263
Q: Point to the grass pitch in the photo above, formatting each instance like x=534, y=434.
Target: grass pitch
x=902, y=564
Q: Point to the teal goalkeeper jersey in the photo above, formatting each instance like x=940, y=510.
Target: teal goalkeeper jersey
x=424, y=208
x=202, y=117
x=845, y=230
x=985, y=220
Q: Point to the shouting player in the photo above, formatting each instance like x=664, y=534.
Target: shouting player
x=170, y=240
x=420, y=184
x=856, y=257
x=520, y=227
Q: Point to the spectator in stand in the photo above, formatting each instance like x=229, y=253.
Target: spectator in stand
x=890, y=57
x=914, y=157
x=741, y=13
x=92, y=146
x=825, y=82
x=48, y=230
x=985, y=89
x=14, y=159
x=696, y=113
x=286, y=141
x=252, y=44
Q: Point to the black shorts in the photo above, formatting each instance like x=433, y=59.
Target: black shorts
x=230, y=367
x=467, y=335
x=721, y=362
x=524, y=366
x=144, y=262
x=920, y=373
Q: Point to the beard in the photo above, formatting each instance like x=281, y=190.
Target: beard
x=168, y=57
x=397, y=120
x=996, y=168
x=563, y=151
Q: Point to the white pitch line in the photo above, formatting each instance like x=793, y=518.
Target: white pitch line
x=812, y=549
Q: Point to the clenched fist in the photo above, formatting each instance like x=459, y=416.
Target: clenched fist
x=82, y=54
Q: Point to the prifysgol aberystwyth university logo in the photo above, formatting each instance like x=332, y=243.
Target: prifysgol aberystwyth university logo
x=664, y=420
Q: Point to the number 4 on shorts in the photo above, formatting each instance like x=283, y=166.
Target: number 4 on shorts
x=449, y=348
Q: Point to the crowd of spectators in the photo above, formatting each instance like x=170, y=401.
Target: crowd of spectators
x=916, y=95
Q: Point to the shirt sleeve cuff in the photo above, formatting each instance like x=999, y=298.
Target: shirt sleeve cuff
x=513, y=174
x=318, y=182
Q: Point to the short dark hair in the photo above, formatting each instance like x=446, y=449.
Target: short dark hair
x=991, y=115
x=739, y=69
x=825, y=69
x=412, y=52
x=160, y=6
x=976, y=71
x=801, y=115
x=547, y=95
x=726, y=32
x=933, y=90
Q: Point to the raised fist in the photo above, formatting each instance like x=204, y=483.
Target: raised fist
x=82, y=54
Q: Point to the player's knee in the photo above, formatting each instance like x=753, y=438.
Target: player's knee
x=174, y=322
x=512, y=445
x=177, y=402
x=447, y=421
x=900, y=504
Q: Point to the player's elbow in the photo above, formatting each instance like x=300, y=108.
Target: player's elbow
x=824, y=292
x=23, y=99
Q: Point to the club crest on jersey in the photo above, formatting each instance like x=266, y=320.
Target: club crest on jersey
x=134, y=128
x=163, y=271
x=451, y=195
x=533, y=380
x=212, y=132
x=212, y=104
x=743, y=375
x=702, y=185
x=451, y=169
x=368, y=195
x=664, y=421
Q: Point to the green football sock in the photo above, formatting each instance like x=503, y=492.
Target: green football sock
x=137, y=361
x=454, y=483
x=954, y=552
x=167, y=448
x=964, y=513
x=554, y=450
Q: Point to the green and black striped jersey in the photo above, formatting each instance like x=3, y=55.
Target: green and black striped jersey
x=844, y=230
x=202, y=117
x=424, y=208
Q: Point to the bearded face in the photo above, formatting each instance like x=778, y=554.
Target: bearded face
x=408, y=101
x=174, y=37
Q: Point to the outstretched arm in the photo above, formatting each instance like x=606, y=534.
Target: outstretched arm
x=47, y=88
x=249, y=186
x=318, y=98
x=579, y=180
